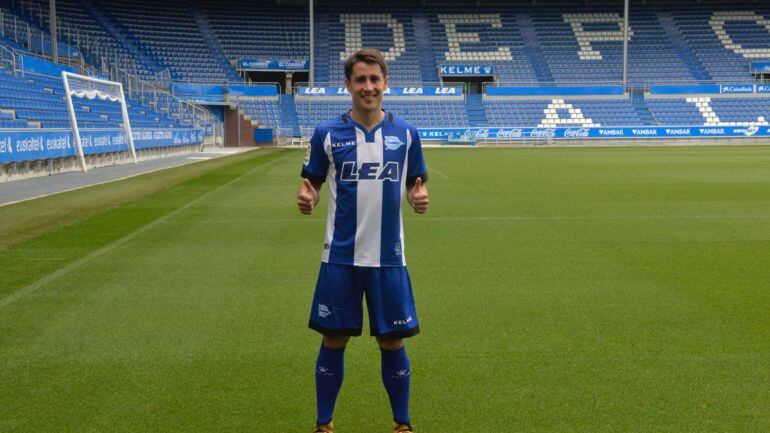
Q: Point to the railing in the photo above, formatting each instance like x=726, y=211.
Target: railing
x=8, y=57
x=161, y=100
x=89, y=49
x=636, y=85
x=152, y=92
x=134, y=87
x=307, y=112
x=297, y=85
x=285, y=137
x=551, y=83
x=227, y=83
x=163, y=79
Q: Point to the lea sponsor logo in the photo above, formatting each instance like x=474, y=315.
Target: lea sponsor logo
x=445, y=91
x=370, y=171
x=412, y=91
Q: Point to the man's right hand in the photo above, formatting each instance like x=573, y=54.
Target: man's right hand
x=307, y=197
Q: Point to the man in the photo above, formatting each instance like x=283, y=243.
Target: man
x=369, y=157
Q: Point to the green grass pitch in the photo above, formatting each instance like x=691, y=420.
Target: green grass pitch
x=613, y=290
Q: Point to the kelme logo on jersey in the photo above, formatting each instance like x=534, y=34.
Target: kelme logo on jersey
x=392, y=142
x=346, y=143
x=369, y=171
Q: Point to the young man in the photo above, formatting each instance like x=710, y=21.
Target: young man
x=369, y=158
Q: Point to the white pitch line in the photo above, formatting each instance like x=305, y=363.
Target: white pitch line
x=13, y=297
x=586, y=217
x=483, y=219
x=188, y=161
x=431, y=169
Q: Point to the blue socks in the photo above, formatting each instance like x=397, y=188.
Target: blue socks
x=395, y=377
x=329, y=370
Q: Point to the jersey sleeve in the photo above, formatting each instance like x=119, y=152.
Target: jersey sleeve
x=416, y=164
x=316, y=164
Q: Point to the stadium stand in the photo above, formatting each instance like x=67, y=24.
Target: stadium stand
x=726, y=41
x=587, y=46
x=562, y=112
x=38, y=102
x=236, y=32
x=481, y=38
x=81, y=24
x=171, y=34
x=265, y=111
x=565, y=44
x=571, y=42
x=346, y=31
x=421, y=113
x=710, y=111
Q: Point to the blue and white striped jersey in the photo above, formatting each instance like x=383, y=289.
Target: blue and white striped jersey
x=367, y=173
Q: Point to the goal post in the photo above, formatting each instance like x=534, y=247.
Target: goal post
x=81, y=86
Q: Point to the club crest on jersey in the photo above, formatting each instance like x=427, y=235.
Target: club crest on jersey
x=392, y=142
x=369, y=171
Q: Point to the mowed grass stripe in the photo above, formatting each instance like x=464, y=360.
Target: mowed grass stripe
x=117, y=331
x=96, y=216
x=116, y=243
x=585, y=323
x=32, y=218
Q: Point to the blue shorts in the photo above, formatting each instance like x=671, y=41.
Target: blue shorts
x=337, y=304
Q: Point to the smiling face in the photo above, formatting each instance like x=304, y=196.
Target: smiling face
x=366, y=85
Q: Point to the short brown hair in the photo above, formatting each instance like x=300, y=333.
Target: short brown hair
x=367, y=55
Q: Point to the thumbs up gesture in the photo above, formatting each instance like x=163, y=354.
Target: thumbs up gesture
x=418, y=197
x=307, y=197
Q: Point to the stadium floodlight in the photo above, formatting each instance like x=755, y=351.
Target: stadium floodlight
x=81, y=86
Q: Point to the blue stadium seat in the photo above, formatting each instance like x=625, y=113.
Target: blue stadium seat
x=561, y=112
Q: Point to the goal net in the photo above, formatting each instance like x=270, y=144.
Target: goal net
x=89, y=88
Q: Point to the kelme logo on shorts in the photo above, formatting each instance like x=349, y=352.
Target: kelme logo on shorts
x=402, y=321
x=392, y=142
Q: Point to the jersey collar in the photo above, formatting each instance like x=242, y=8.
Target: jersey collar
x=361, y=127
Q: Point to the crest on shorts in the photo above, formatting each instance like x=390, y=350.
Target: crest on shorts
x=323, y=311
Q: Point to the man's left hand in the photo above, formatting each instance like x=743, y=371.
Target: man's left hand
x=418, y=197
